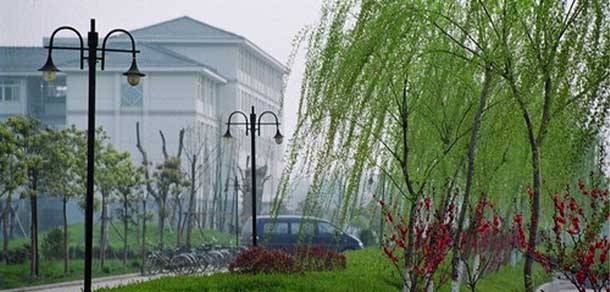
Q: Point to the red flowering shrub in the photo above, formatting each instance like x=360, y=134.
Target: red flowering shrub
x=431, y=242
x=316, y=258
x=575, y=247
x=302, y=259
x=483, y=245
x=260, y=260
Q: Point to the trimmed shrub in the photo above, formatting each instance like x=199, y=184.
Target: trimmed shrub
x=302, y=259
x=259, y=260
x=315, y=258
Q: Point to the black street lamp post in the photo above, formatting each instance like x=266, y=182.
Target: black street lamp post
x=253, y=126
x=133, y=78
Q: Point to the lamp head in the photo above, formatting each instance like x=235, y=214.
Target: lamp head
x=134, y=74
x=227, y=136
x=279, y=138
x=49, y=70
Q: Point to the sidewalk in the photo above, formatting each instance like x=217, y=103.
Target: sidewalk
x=76, y=286
x=558, y=285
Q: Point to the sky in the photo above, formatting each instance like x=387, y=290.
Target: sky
x=271, y=24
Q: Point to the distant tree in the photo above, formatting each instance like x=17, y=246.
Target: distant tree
x=66, y=152
x=12, y=176
x=129, y=183
x=167, y=174
x=107, y=181
x=30, y=139
x=194, y=149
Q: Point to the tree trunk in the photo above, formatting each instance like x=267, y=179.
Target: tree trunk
x=143, y=246
x=407, y=285
x=455, y=284
x=11, y=226
x=66, y=247
x=34, y=271
x=125, y=230
x=191, y=207
x=5, y=228
x=535, y=212
x=476, y=125
x=178, y=223
x=161, y=226
x=103, y=235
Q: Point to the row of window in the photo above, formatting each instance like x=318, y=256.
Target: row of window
x=10, y=90
x=259, y=75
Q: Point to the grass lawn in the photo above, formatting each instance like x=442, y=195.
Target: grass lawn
x=76, y=234
x=14, y=276
x=367, y=270
x=51, y=271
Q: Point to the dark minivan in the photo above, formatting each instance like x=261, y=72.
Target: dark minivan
x=287, y=232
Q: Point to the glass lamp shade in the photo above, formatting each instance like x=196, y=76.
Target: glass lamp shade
x=49, y=71
x=133, y=80
x=279, y=138
x=133, y=74
x=227, y=137
x=49, y=76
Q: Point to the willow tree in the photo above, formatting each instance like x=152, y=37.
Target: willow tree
x=399, y=86
x=380, y=93
x=553, y=56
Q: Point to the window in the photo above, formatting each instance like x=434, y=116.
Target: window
x=206, y=93
x=308, y=228
x=276, y=228
x=326, y=228
x=55, y=92
x=131, y=96
x=9, y=90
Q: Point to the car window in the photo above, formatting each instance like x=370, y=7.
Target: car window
x=307, y=228
x=326, y=228
x=276, y=228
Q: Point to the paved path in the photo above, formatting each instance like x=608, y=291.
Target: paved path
x=76, y=286
x=558, y=285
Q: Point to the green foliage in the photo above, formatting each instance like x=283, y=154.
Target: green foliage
x=53, y=244
x=392, y=88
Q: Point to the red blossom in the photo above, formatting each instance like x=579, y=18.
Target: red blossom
x=580, y=276
x=518, y=218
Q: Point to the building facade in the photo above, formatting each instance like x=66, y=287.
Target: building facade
x=197, y=75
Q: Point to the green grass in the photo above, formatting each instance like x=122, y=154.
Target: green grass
x=51, y=271
x=76, y=233
x=14, y=276
x=507, y=279
x=367, y=270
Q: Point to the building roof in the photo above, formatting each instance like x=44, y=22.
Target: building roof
x=183, y=27
x=149, y=40
x=186, y=29
x=152, y=57
x=28, y=59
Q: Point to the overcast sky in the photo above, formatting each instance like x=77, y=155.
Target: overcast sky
x=271, y=24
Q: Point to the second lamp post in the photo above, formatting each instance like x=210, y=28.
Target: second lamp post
x=253, y=127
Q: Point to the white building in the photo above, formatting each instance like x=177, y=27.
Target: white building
x=197, y=74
